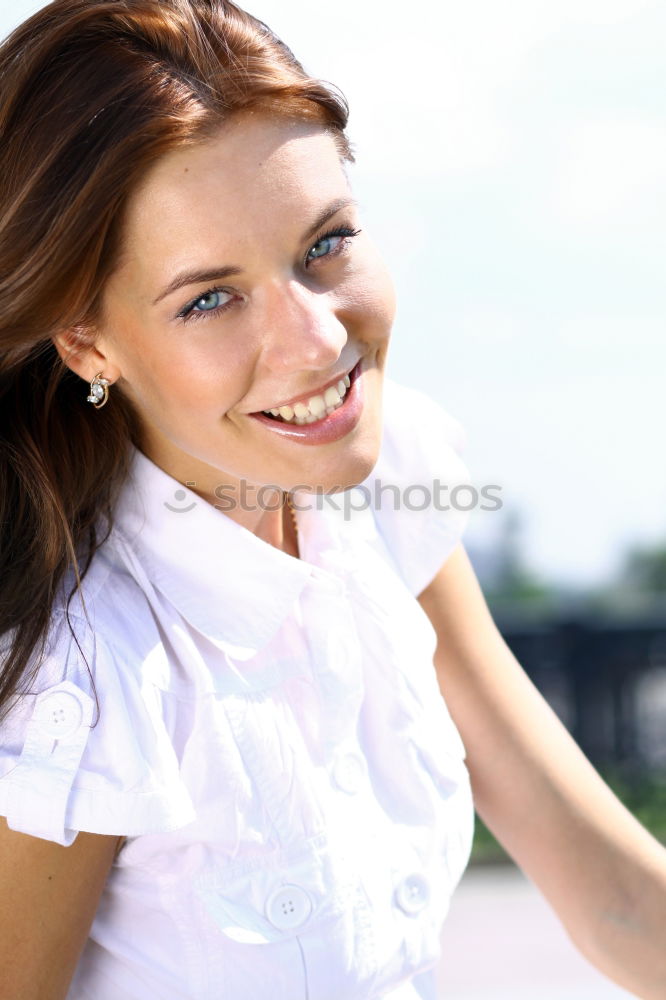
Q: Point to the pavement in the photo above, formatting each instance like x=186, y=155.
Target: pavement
x=503, y=941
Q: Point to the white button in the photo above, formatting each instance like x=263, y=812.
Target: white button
x=413, y=893
x=58, y=714
x=349, y=772
x=288, y=907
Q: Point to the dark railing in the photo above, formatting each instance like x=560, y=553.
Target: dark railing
x=605, y=678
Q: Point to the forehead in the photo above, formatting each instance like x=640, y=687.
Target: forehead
x=253, y=166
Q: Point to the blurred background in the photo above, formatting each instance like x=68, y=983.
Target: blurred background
x=511, y=166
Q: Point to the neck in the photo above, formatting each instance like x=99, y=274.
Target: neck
x=290, y=531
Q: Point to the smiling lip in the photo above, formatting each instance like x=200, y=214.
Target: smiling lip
x=332, y=427
x=304, y=397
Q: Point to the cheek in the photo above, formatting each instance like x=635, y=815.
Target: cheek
x=371, y=292
x=388, y=299
x=181, y=374
x=168, y=393
x=370, y=296
x=177, y=378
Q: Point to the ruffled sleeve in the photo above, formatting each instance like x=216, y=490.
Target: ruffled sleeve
x=421, y=492
x=71, y=762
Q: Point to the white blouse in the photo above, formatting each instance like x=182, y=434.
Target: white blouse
x=268, y=734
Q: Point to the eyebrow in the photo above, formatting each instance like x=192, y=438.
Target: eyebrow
x=231, y=270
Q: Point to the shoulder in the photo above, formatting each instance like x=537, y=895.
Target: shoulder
x=85, y=746
x=88, y=620
x=420, y=488
x=412, y=413
x=109, y=613
x=108, y=590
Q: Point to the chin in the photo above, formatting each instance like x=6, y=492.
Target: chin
x=357, y=464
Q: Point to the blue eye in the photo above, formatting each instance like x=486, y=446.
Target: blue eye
x=209, y=304
x=207, y=297
x=325, y=240
x=206, y=305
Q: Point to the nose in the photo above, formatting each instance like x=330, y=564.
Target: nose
x=302, y=330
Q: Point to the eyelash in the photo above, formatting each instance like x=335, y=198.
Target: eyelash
x=188, y=314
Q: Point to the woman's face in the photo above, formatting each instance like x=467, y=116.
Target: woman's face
x=278, y=312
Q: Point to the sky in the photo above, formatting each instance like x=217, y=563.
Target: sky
x=511, y=167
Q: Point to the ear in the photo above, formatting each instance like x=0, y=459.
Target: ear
x=82, y=355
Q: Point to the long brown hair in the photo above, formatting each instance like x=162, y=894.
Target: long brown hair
x=92, y=92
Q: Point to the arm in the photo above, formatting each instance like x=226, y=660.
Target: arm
x=48, y=899
x=602, y=872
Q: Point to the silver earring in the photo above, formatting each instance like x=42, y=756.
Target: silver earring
x=99, y=391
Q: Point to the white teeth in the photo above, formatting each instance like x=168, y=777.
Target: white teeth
x=331, y=396
x=316, y=407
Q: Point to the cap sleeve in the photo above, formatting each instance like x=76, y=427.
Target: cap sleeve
x=422, y=495
x=68, y=766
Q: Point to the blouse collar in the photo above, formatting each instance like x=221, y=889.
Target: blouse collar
x=224, y=580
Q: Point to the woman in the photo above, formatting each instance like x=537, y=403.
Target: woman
x=226, y=768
